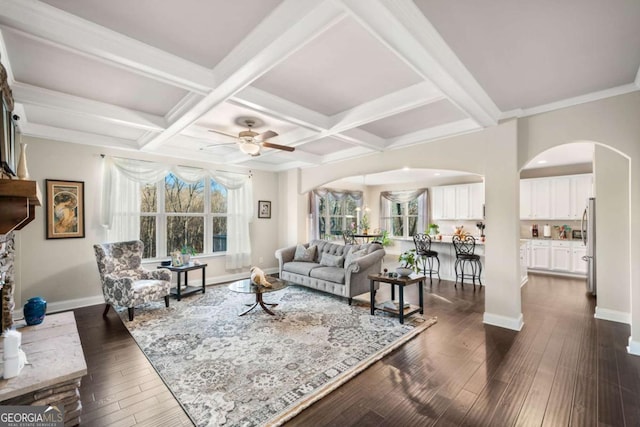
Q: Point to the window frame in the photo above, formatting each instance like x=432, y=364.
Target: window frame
x=345, y=217
x=389, y=217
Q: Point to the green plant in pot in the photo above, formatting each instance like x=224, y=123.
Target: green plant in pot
x=187, y=252
x=434, y=229
x=408, y=263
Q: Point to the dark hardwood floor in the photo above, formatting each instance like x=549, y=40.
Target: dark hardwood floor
x=563, y=368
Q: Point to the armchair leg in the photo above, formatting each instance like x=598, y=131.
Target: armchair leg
x=106, y=310
x=166, y=300
x=350, y=301
x=130, y=313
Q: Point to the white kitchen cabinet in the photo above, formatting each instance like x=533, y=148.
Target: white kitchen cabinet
x=541, y=254
x=581, y=190
x=541, y=191
x=561, y=205
x=437, y=203
x=526, y=205
x=561, y=256
x=578, y=265
x=455, y=202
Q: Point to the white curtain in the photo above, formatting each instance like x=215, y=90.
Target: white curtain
x=314, y=207
x=387, y=198
x=120, y=213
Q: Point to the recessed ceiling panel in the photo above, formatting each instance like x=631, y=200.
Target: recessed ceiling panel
x=338, y=70
x=325, y=146
x=63, y=120
x=200, y=31
x=526, y=54
x=60, y=70
x=420, y=118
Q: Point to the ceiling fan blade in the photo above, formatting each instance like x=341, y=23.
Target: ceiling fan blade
x=277, y=146
x=223, y=133
x=266, y=135
x=217, y=145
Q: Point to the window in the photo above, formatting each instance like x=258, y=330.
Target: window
x=404, y=213
x=338, y=213
x=175, y=214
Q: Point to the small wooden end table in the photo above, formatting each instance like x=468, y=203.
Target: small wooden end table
x=400, y=282
x=186, y=269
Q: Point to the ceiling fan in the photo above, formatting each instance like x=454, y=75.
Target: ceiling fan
x=251, y=142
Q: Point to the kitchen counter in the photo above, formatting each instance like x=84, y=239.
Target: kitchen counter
x=445, y=239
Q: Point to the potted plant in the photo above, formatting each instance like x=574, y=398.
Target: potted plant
x=364, y=224
x=187, y=252
x=408, y=263
x=434, y=229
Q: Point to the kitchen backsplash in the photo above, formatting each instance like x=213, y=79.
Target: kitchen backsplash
x=525, y=228
x=447, y=227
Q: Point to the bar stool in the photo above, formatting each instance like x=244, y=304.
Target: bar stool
x=423, y=250
x=465, y=248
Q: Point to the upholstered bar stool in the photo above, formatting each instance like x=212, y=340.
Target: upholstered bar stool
x=465, y=255
x=423, y=250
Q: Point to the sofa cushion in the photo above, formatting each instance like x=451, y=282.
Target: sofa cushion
x=325, y=247
x=330, y=274
x=353, y=255
x=300, y=267
x=329, y=260
x=305, y=254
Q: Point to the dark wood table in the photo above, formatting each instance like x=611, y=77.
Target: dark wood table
x=246, y=286
x=186, y=269
x=400, y=282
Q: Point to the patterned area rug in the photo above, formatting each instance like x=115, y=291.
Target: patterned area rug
x=260, y=369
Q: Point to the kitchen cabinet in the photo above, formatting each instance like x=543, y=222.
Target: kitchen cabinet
x=541, y=254
x=561, y=256
x=559, y=198
x=578, y=265
x=456, y=202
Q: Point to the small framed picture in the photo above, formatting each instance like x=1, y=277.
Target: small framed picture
x=65, y=209
x=176, y=259
x=264, y=209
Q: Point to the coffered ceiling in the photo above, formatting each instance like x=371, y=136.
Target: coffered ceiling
x=336, y=79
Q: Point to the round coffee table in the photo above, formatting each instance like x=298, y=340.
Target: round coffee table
x=246, y=287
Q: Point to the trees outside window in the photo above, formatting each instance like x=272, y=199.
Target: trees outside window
x=338, y=214
x=176, y=215
x=404, y=213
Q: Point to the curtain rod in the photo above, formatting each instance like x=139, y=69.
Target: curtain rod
x=250, y=173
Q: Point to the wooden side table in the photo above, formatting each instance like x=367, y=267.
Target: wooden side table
x=186, y=269
x=400, y=282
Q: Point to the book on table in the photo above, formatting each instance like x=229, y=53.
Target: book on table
x=394, y=305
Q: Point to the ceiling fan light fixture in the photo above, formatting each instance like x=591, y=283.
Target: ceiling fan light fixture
x=250, y=148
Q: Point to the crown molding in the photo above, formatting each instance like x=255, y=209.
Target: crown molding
x=4, y=58
x=437, y=132
x=570, y=102
x=75, y=137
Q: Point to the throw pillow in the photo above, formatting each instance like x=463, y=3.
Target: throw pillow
x=305, y=254
x=329, y=260
x=354, y=255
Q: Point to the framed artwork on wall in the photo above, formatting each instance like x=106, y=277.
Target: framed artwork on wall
x=65, y=209
x=264, y=209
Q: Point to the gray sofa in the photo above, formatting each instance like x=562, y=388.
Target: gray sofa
x=325, y=273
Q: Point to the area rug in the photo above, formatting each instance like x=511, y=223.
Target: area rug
x=260, y=369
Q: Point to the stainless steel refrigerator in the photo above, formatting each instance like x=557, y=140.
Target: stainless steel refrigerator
x=588, y=227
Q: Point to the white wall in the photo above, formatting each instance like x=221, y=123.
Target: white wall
x=64, y=271
x=612, y=235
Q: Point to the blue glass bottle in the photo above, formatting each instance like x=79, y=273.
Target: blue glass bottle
x=34, y=310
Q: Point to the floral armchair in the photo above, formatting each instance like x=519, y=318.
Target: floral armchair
x=124, y=282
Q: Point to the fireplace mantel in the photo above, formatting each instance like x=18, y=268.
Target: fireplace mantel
x=18, y=200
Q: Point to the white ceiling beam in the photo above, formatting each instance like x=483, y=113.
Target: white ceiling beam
x=289, y=27
x=187, y=102
x=4, y=58
x=264, y=102
x=76, y=137
x=389, y=105
x=403, y=28
x=55, y=26
x=362, y=138
x=433, y=133
x=34, y=95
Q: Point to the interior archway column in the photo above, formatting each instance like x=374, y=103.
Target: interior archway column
x=503, y=305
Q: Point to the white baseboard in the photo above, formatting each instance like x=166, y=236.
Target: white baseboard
x=612, y=315
x=66, y=305
x=633, y=347
x=513, y=323
x=524, y=281
x=558, y=273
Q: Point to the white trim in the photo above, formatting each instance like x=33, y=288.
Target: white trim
x=513, y=323
x=66, y=305
x=637, y=80
x=612, y=315
x=557, y=273
x=75, y=136
x=524, y=281
x=633, y=347
x=570, y=102
x=446, y=130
